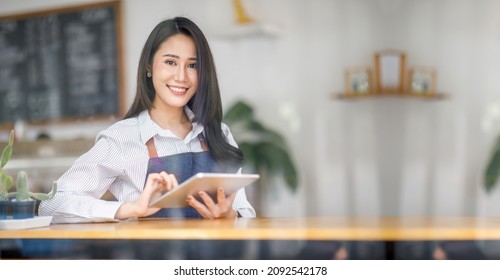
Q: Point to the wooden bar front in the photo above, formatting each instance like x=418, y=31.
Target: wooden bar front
x=296, y=228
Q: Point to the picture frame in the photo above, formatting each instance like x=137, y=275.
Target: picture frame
x=358, y=81
x=390, y=69
x=422, y=80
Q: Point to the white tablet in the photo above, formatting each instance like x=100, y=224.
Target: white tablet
x=208, y=182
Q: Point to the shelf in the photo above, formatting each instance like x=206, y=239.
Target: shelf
x=343, y=96
x=41, y=163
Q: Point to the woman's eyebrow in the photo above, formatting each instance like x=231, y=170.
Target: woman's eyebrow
x=178, y=57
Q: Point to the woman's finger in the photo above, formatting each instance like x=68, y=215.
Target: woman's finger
x=169, y=179
x=228, y=205
x=227, y=200
x=221, y=201
x=209, y=202
x=151, y=181
x=200, y=207
x=175, y=184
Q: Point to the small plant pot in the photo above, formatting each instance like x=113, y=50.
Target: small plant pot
x=23, y=209
x=4, y=209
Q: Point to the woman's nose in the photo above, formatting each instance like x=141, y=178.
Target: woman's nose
x=181, y=74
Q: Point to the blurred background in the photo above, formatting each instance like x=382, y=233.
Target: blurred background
x=387, y=156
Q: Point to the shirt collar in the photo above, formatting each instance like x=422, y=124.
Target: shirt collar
x=148, y=128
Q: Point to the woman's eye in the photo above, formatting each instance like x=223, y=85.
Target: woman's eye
x=170, y=62
x=192, y=65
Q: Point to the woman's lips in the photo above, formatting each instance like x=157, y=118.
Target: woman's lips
x=177, y=90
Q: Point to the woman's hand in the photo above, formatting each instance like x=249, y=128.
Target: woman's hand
x=156, y=184
x=211, y=210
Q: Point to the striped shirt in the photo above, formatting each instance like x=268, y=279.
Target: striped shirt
x=118, y=162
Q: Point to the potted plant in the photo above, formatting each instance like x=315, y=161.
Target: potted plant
x=23, y=205
x=6, y=181
x=265, y=150
x=22, y=202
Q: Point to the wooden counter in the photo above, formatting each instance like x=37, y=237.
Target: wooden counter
x=298, y=228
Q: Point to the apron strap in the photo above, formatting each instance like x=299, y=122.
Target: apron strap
x=150, y=144
x=151, y=148
x=203, y=143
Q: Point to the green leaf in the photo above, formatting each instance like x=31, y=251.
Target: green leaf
x=11, y=137
x=278, y=162
x=290, y=174
x=493, y=170
x=238, y=112
x=7, y=151
x=265, y=134
x=248, y=151
x=40, y=196
x=43, y=196
x=6, y=154
x=8, y=181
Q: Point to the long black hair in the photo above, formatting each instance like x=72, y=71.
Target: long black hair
x=206, y=103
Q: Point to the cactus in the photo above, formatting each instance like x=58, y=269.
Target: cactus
x=6, y=181
x=23, y=193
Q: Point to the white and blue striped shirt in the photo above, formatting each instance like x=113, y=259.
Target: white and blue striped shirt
x=118, y=162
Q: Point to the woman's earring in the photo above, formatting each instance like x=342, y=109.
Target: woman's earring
x=148, y=74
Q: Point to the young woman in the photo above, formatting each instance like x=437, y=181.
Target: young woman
x=172, y=131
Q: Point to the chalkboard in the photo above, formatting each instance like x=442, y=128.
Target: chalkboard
x=62, y=64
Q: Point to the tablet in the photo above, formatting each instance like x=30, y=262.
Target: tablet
x=208, y=182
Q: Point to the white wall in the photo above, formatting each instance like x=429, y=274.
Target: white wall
x=385, y=156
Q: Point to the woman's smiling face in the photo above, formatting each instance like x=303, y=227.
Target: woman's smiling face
x=174, y=73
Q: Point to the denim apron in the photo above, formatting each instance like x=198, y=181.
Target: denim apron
x=183, y=166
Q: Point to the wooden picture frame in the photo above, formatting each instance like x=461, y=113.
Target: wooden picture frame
x=390, y=69
x=358, y=81
x=421, y=80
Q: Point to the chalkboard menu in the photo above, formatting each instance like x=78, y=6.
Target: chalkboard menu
x=62, y=64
